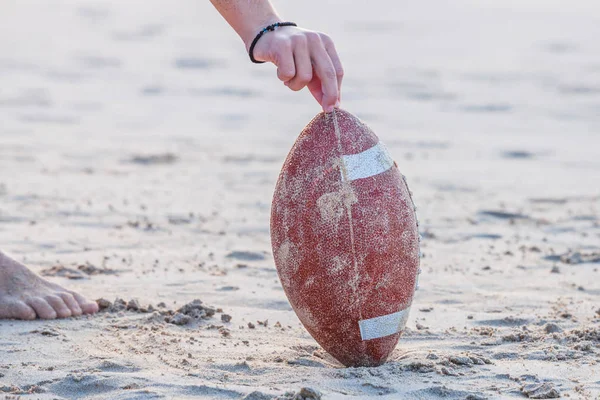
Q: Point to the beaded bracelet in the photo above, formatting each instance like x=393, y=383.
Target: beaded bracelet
x=269, y=28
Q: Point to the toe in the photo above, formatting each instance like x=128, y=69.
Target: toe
x=87, y=307
x=14, y=309
x=23, y=311
x=62, y=311
x=71, y=303
x=42, y=308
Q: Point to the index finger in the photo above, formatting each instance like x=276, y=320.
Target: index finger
x=326, y=72
x=337, y=63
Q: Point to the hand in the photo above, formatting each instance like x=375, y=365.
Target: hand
x=304, y=58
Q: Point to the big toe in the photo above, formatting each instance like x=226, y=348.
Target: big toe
x=16, y=310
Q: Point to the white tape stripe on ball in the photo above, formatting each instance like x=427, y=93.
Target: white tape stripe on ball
x=378, y=327
x=370, y=162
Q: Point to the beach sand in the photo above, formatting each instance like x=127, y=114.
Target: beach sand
x=139, y=149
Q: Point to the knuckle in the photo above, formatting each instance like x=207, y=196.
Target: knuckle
x=339, y=71
x=286, y=74
x=329, y=73
x=305, y=77
x=326, y=39
x=299, y=39
x=313, y=37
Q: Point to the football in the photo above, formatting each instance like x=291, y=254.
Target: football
x=345, y=239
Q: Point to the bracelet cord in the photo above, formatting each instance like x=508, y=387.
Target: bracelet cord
x=269, y=28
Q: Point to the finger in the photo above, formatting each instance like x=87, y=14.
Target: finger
x=284, y=60
x=337, y=64
x=326, y=73
x=304, y=70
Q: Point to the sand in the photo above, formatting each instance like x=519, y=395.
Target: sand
x=139, y=150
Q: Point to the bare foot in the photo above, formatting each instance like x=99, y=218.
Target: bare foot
x=25, y=295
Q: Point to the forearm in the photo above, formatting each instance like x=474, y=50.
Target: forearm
x=247, y=17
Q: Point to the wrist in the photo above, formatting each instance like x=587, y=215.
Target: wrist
x=254, y=28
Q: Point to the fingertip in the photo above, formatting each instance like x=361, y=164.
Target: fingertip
x=329, y=103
